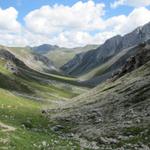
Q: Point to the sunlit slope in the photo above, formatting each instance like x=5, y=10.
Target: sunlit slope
x=23, y=127
x=32, y=60
x=19, y=78
x=24, y=94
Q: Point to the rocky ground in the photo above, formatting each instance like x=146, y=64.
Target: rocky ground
x=114, y=115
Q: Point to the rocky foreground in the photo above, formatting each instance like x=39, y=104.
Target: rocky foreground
x=114, y=115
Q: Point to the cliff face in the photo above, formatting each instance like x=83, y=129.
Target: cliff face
x=142, y=56
x=85, y=62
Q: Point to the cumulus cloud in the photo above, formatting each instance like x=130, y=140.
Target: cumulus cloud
x=8, y=20
x=123, y=24
x=137, y=17
x=133, y=3
x=71, y=39
x=58, y=18
x=67, y=26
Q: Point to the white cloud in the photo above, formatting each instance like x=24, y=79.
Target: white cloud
x=67, y=26
x=81, y=16
x=116, y=25
x=8, y=20
x=138, y=17
x=124, y=24
x=71, y=39
x=133, y=3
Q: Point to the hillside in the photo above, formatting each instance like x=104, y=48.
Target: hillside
x=60, y=55
x=16, y=74
x=114, y=115
x=107, y=69
x=24, y=94
x=33, y=60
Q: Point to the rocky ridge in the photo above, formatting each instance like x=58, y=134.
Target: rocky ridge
x=84, y=62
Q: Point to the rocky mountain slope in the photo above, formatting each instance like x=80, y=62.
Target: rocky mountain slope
x=114, y=115
x=59, y=55
x=109, y=68
x=62, y=55
x=85, y=62
x=33, y=60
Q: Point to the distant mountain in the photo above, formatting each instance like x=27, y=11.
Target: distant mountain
x=32, y=59
x=62, y=55
x=86, y=61
x=45, y=48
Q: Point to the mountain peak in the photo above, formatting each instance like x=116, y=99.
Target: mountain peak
x=44, y=48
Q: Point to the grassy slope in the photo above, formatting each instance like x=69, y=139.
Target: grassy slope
x=26, y=56
x=16, y=111
x=22, y=97
x=35, y=84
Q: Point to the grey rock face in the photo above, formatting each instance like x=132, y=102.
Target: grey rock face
x=11, y=67
x=5, y=54
x=45, y=60
x=84, y=62
x=129, y=60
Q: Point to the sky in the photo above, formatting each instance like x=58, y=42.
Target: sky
x=69, y=23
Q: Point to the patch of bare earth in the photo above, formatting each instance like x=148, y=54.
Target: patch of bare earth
x=6, y=128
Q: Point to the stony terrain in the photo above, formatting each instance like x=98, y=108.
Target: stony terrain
x=116, y=114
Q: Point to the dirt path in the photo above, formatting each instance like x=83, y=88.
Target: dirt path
x=6, y=128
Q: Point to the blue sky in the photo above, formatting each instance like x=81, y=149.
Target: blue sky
x=71, y=23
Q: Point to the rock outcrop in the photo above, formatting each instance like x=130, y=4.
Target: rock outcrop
x=134, y=62
x=48, y=63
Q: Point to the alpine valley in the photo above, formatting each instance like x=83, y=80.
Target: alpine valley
x=83, y=98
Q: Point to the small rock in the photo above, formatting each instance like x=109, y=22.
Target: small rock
x=57, y=128
x=44, y=143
